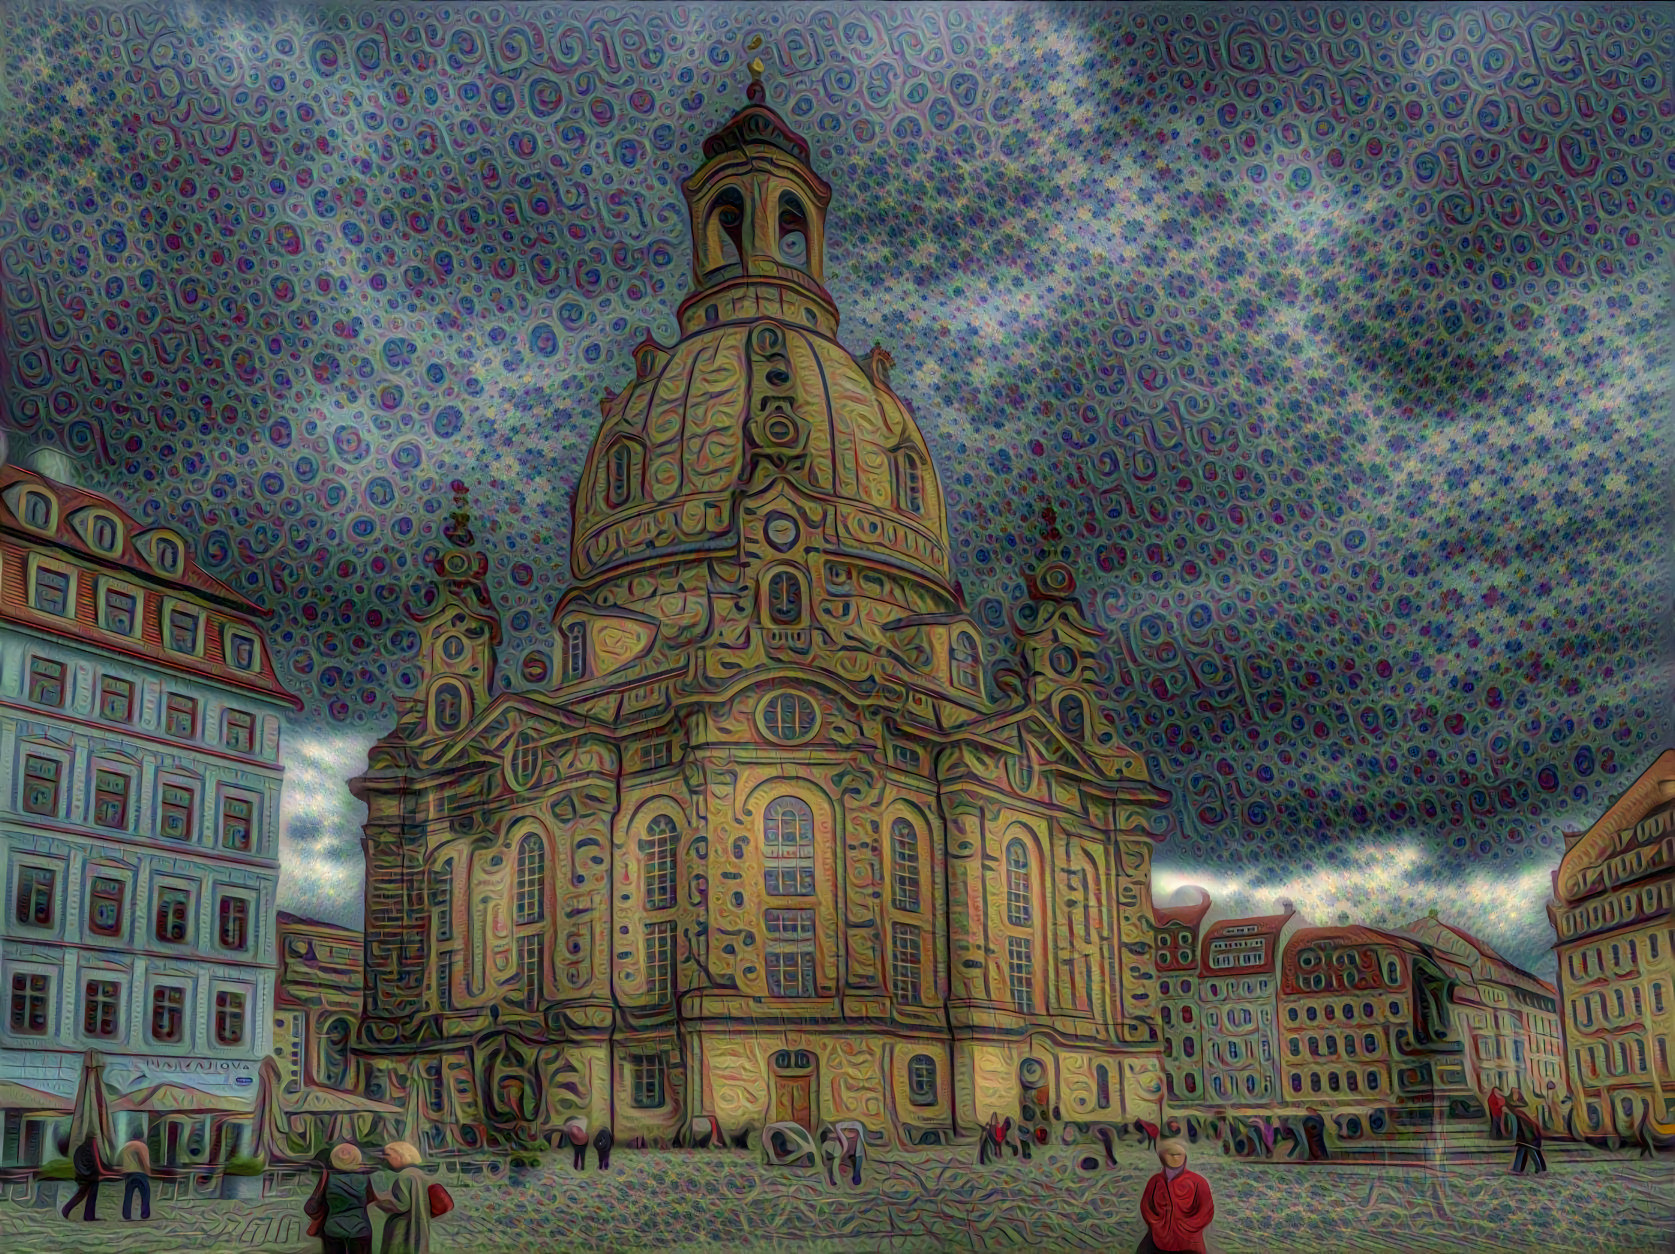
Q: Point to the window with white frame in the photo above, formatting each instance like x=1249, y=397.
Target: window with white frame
x=1020, y=972
x=531, y=879
x=658, y=850
x=660, y=961
x=788, y=848
x=790, y=952
x=904, y=854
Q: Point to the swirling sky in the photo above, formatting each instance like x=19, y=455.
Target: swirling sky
x=1328, y=344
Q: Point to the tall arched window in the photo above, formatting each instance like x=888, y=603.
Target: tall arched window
x=793, y=231
x=575, y=651
x=442, y=899
x=1017, y=884
x=621, y=473
x=904, y=855
x=531, y=879
x=1102, y=1090
x=785, y=598
x=168, y=557
x=450, y=707
x=1072, y=714
x=912, y=482
x=724, y=232
x=965, y=661
x=334, y=1054
x=659, y=851
x=788, y=848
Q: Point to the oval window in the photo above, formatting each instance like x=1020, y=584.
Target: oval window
x=788, y=717
x=453, y=648
x=1062, y=659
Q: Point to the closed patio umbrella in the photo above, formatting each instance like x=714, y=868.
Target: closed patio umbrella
x=91, y=1115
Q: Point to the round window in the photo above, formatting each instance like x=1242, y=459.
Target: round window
x=780, y=430
x=453, y=647
x=787, y=717
x=1062, y=659
x=781, y=531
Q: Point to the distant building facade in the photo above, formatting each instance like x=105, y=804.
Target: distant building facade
x=318, y=1003
x=772, y=845
x=1510, y=1019
x=1238, y=993
x=1176, y=959
x=1611, y=912
x=140, y=782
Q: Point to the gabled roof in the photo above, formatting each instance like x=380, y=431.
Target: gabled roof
x=193, y=578
x=1266, y=926
x=1190, y=914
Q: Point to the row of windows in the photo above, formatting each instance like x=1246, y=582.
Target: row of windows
x=1618, y=1057
x=1369, y=1045
x=1599, y=967
x=1351, y=1080
x=1582, y=1008
x=1628, y=906
x=48, y=686
x=120, y=609
x=36, y=906
x=1228, y=1086
x=1312, y=1012
x=101, y=1018
x=41, y=792
x=1215, y=988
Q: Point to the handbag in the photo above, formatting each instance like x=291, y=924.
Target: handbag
x=441, y=1201
x=315, y=1207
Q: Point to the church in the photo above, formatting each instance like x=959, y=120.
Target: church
x=776, y=842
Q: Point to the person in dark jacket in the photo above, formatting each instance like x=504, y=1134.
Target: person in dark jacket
x=602, y=1142
x=1527, y=1137
x=340, y=1203
x=88, y=1168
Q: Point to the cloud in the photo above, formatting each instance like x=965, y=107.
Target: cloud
x=1391, y=885
x=321, y=872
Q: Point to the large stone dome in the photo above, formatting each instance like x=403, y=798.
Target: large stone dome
x=678, y=447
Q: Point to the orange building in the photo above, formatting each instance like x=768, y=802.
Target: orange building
x=1238, y=990
x=1176, y=959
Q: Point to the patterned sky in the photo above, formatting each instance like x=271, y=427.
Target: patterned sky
x=1328, y=344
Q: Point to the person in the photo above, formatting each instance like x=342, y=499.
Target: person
x=994, y=1136
x=407, y=1230
x=1147, y=1130
x=1497, y=1114
x=1527, y=1138
x=602, y=1142
x=339, y=1204
x=576, y=1130
x=88, y=1170
x=1176, y=1205
x=133, y=1160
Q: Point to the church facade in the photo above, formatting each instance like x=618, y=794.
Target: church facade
x=776, y=843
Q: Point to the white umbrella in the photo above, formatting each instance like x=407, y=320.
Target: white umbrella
x=92, y=1116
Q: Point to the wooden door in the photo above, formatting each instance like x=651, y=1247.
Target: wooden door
x=793, y=1100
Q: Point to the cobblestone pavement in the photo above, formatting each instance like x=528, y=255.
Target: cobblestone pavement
x=729, y=1201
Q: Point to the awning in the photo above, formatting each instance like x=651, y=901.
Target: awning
x=317, y=1101
x=32, y=1101
x=177, y=1099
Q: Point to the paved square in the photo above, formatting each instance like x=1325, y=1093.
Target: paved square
x=726, y=1200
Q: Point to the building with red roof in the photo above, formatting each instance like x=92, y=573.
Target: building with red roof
x=1238, y=1000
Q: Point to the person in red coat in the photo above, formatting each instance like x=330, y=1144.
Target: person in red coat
x=1176, y=1206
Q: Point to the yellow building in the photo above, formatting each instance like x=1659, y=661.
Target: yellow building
x=317, y=1003
x=774, y=845
x=1611, y=912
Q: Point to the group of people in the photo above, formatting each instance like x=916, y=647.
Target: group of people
x=133, y=1164
x=1000, y=1135
x=339, y=1206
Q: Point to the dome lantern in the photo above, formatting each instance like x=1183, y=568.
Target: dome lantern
x=758, y=213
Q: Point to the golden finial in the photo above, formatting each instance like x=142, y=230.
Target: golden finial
x=754, y=44
x=756, y=68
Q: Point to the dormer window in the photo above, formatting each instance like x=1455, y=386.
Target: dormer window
x=724, y=233
x=37, y=511
x=450, y=707
x=104, y=534
x=621, y=472
x=964, y=661
x=911, y=483
x=1072, y=715
x=785, y=599
x=167, y=555
x=241, y=651
x=575, y=651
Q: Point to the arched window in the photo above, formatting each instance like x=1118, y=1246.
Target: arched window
x=904, y=871
x=1072, y=714
x=523, y=761
x=450, y=707
x=788, y=848
x=1017, y=884
x=1189, y=1046
x=1191, y=1083
x=1296, y=1082
x=724, y=232
x=532, y=873
x=921, y=1080
x=1372, y=1081
x=104, y=533
x=965, y=661
x=1296, y=1049
x=575, y=651
x=793, y=231
x=168, y=556
x=334, y=1054
x=1102, y=1087
x=1168, y=1016
x=912, y=482
x=1314, y=1081
x=37, y=511
x=785, y=598
x=621, y=474
x=1392, y=973
x=659, y=851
